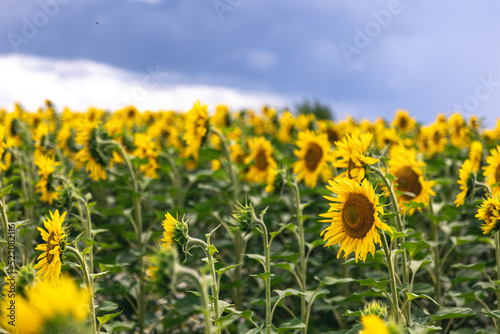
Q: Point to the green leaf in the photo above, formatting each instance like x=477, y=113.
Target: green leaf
x=288, y=292
x=350, y=313
x=107, y=306
x=222, y=271
x=263, y=276
x=416, y=264
x=108, y=317
x=417, y=328
x=290, y=267
x=394, y=234
x=258, y=257
x=119, y=326
x=414, y=205
x=493, y=314
x=413, y=296
x=256, y=330
x=452, y=312
x=6, y=190
x=291, y=325
x=282, y=228
x=333, y=280
x=414, y=247
x=381, y=285
x=473, y=266
x=212, y=250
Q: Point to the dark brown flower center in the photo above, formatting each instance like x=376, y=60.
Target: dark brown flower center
x=408, y=181
x=313, y=156
x=436, y=137
x=497, y=174
x=403, y=122
x=261, y=160
x=333, y=135
x=50, y=246
x=357, y=216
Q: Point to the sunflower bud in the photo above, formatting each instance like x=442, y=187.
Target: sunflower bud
x=377, y=308
x=243, y=217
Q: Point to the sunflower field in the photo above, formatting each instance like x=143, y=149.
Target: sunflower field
x=247, y=222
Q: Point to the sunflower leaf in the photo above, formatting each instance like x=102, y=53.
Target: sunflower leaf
x=104, y=319
x=381, y=285
x=6, y=190
x=255, y=330
x=414, y=247
x=452, y=312
x=291, y=325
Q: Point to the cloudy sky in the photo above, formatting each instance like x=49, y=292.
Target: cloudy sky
x=362, y=58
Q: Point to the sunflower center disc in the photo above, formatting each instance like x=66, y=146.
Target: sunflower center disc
x=408, y=182
x=261, y=160
x=333, y=135
x=357, y=216
x=497, y=174
x=313, y=156
x=436, y=137
x=50, y=246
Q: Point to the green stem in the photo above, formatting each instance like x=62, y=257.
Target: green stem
x=392, y=276
x=236, y=193
x=399, y=221
x=267, y=265
x=89, y=231
x=195, y=242
x=189, y=273
x=230, y=165
x=497, y=253
x=88, y=283
x=303, y=264
x=139, y=229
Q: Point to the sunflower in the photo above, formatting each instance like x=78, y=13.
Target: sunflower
x=489, y=212
x=94, y=154
x=459, y=132
x=175, y=233
x=474, y=123
x=50, y=260
x=372, y=324
x=403, y=121
x=492, y=171
x=332, y=130
x=476, y=155
x=50, y=309
x=411, y=185
x=387, y=137
x=437, y=135
x=354, y=217
x=287, y=123
x=464, y=181
x=169, y=229
x=147, y=148
x=196, y=129
x=261, y=154
x=351, y=154
x=313, y=154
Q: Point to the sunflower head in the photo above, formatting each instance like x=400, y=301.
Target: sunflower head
x=176, y=234
x=476, y=155
x=466, y=179
x=403, y=121
x=313, y=154
x=161, y=269
x=352, y=154
x=410, y=182
x=489, y=212
x=492, y=170
x=196, y=129
x=52, y=257
x=354, y=217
